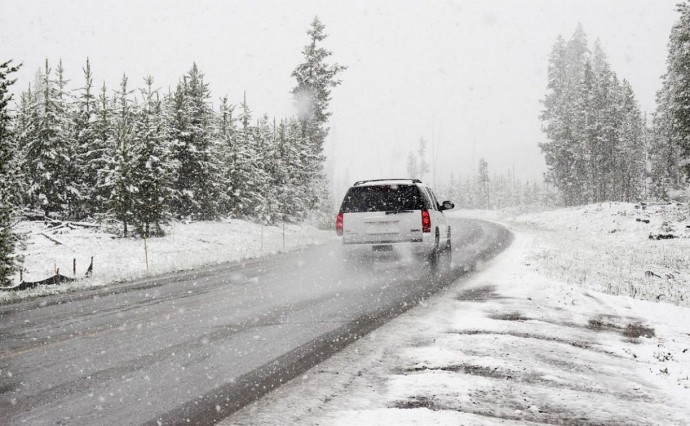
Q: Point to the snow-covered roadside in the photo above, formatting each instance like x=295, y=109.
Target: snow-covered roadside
x=611, y=247
x=507, y=345
x=186, y=246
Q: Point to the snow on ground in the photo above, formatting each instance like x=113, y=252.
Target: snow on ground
x=612, y=247
x=513, y=343
x=186, y=246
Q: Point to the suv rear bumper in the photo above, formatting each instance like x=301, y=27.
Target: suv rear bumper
x=420, y=240
x=421, y=246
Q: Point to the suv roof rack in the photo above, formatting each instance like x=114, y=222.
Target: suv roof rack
x=360, y=182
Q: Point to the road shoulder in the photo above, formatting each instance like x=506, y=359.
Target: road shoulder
x=504, y=345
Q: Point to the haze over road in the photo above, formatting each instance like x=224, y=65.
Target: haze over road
x=200, y=345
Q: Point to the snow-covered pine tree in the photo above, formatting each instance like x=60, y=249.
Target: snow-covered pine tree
x=483, y=184
x=246, y=174
x=679, y=73
x=176, y=126
x=586, y=148
x=198, y=180
x=587, y=114
x=89, y=150
x=118, y=177
x=9, y=174
x=632, y=160
x=664, y=150
x=604, y=141
x=301, y=172
x=225, y=135
x=315, y=79
x=528, y=196
x=73, y=167
x=103, y=147
x=25, y=123
x=559, y=112
x=152, y=169
x=670, y=147
x=48, y=148
x=270, y=211
x=291, y=196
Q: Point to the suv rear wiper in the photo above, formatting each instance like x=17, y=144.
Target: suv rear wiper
x=399, y=211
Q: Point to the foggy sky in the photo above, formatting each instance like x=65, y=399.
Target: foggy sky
x=470, y=73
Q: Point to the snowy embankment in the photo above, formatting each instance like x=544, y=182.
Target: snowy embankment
x=185, y=246
x=522, y=340
x=616, y=248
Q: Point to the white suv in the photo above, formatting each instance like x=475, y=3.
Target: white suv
x=400, y=213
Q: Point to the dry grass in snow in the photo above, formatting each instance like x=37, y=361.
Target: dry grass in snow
x=617, y=248
x=610, y=247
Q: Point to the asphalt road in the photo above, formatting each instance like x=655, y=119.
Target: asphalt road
x=192, y=348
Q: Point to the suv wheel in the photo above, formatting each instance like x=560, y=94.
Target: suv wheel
x=435, y=255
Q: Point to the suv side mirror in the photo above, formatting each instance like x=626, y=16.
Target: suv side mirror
x=447, y=205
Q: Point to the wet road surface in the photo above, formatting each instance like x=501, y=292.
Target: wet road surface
x=196, y=346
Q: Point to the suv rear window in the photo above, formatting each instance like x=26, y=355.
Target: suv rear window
x=376, y=198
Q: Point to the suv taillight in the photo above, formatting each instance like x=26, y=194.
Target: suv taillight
x=426, y=221
x=339, y=224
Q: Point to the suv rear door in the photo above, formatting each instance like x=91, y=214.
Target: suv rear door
x=386, y=213
x=438, y=219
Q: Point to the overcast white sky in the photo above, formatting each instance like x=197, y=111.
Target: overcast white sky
x=454, y=68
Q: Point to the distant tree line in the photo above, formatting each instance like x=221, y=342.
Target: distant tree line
x=496, y=191
x=599, y=147
x=143, y=156
x=595, y=149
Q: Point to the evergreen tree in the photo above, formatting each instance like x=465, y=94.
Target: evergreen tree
x=71, y=174
x=225, y=134
x=25, y=126
x=119, y=176
x=290, y=194
x=670, y=146
x=594, y=149
x=89, y=148
x=48, y=148
x=9, y=174
x=560, y=150
x=198, y=189
x=267, y=211
x=97, y=172
x=679, y=78
x=152, y=170
x=315, y=79
x=246, y=175
x=483, y=184
x=632, y=160
x=664, y=152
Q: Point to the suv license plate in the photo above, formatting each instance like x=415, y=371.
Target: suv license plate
x=386, y=247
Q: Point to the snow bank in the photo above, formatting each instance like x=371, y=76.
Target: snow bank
x=636, y=250
x=185, y=246
x=618, y=248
